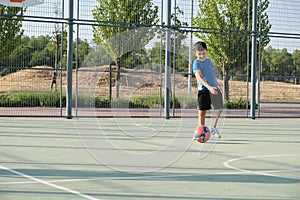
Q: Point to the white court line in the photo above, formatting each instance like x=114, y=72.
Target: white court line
x=37, y=180
x=266, y=173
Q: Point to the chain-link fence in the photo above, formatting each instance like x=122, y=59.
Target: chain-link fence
x=120, y=51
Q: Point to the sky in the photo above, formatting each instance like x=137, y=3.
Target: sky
x=283, y=15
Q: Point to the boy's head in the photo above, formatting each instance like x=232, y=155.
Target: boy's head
x=200, y=46
x=200, y=50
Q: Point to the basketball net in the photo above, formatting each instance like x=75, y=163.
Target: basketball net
x=21, y=3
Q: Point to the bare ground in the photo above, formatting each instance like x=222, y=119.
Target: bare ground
x=134, y=83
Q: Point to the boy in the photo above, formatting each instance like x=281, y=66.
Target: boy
x=209, y=91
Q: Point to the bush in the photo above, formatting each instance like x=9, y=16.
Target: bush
x=237, y=104
x=30, y=99
x=52, y=99
x=102, y=102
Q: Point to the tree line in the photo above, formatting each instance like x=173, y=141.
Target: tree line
x=227, y=40
x=37, y=51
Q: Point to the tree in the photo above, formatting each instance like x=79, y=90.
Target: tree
x=157, y=53
x=83, y=50
x=33, y=51
x=20, y=56
x=286, y=67
x=93, y=58
x=44, y=57
x=118, y=29
x=10, y=31
x=43, y=52
x=296, y=63
x=179, y=51
x=224, y=26
x=278, y=63
x=58, y=43
x=267, y=60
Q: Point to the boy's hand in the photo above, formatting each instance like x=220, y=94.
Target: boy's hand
x=220, y=89
x=213, y=90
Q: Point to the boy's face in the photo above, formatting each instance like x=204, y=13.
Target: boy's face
x=201, y=55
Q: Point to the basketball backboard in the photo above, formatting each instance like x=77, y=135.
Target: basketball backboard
x=21, y=3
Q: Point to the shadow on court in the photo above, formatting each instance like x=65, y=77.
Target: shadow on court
x=50, y=159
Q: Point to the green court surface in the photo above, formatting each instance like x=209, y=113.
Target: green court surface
x=148, y=158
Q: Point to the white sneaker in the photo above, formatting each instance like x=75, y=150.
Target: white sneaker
x=215, y=132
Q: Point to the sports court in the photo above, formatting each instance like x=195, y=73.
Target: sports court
x=145, y=158
x=87, y=89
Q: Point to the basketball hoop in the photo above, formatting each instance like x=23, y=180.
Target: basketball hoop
x=21, y=3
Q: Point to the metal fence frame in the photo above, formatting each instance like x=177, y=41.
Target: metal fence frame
x=72, y=108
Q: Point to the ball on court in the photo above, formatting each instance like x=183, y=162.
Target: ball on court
x=202, y=134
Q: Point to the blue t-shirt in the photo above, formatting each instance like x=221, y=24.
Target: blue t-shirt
x=206, y=69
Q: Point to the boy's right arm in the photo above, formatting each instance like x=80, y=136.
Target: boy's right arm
x=198, y=75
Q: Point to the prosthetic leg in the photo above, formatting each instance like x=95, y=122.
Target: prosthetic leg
x=214, y=129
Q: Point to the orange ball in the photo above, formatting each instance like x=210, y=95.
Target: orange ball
x=202, y=134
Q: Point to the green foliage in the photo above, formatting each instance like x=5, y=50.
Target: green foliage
x=10, y=32
x=224, y=28
x=145, y=102
x=237, y=104
x=126, y=15
x=296, y=63
x=278, y=62
x=179, y=59
x=32, y=51
x=123, y=36
x=21, y=56
x=96, y=57
x=222, y=16
x=179, y=51
x=48, y=99
x=41, y=50
x=135, y=58
x=102, y=102
x=30, y=99
x=296, y=59
x=44, y=57
x=186, y=102
x=83, y=50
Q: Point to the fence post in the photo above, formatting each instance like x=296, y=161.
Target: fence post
x=191, y=51
x=69, y=62
x=253, y=58
x=167, y=59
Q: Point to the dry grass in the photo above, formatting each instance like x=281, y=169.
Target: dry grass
x=96, y=80
x=270, y=91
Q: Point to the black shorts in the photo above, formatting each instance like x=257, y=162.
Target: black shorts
x=206, y=99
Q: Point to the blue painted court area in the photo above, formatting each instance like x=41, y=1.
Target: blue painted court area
x=149, y=158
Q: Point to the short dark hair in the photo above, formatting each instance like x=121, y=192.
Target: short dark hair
x=200, y=46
